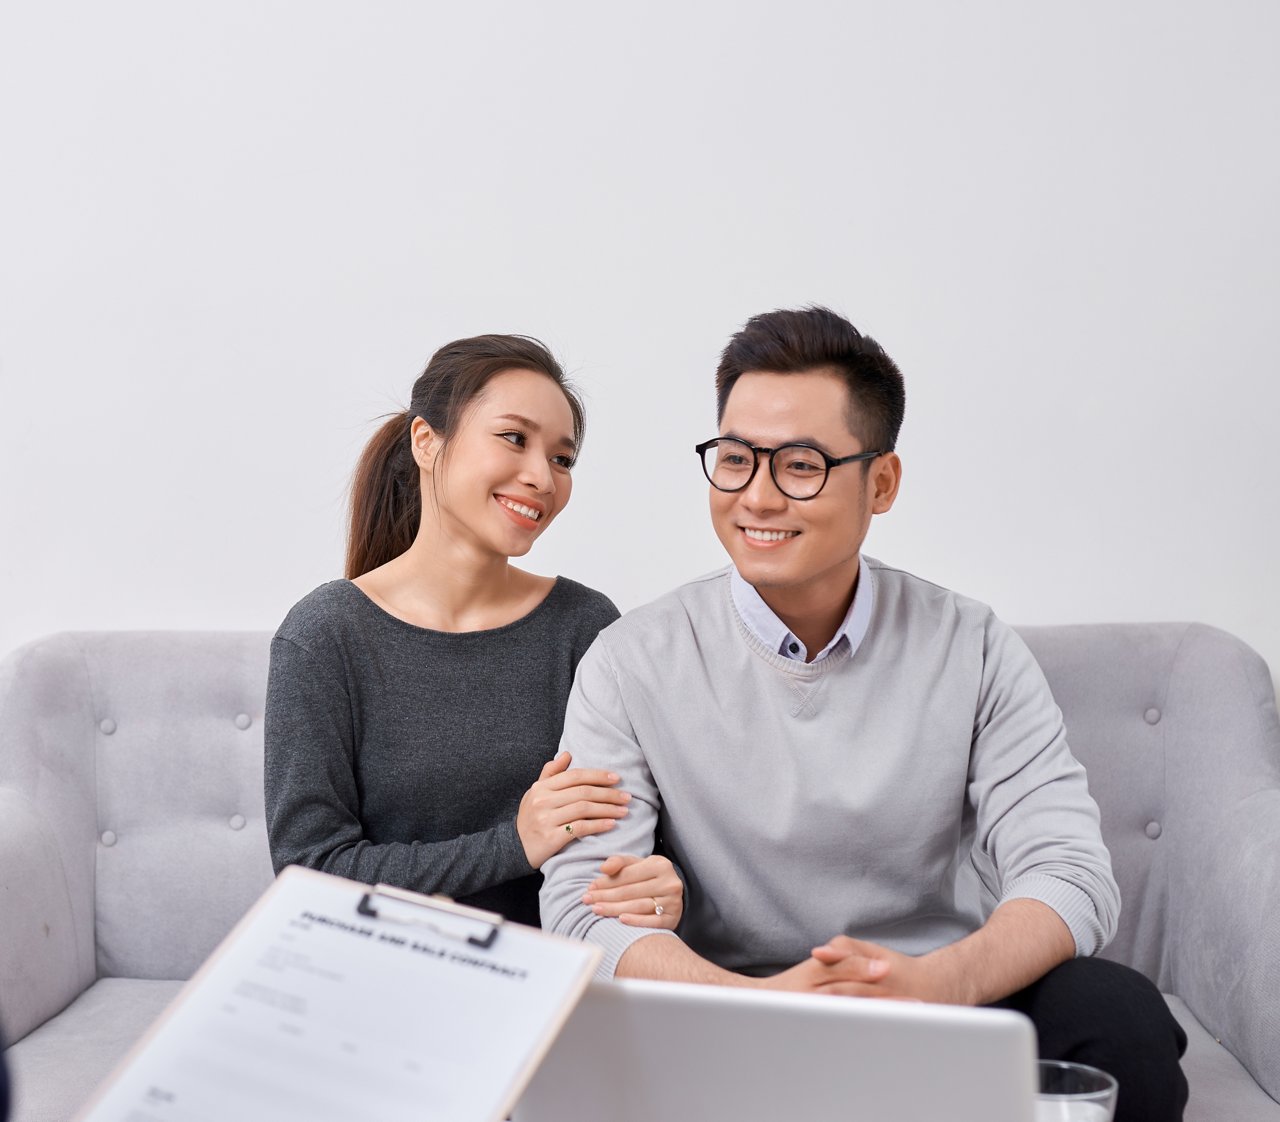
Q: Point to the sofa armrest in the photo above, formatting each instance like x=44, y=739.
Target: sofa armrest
x=1223, y=944
x=39, y=971
x=1224, y=938
x=47, y=831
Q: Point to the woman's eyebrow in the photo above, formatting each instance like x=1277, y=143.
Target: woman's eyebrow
x=533, y=426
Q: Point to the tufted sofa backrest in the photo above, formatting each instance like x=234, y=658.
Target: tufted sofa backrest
x=1113, y=686
x=135, y=762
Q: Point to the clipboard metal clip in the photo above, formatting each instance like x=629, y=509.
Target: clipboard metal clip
x=439, y=914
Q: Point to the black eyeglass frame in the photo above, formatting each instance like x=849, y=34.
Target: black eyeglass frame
x=757, y=451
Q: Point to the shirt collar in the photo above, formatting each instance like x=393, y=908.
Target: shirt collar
x=774, y=634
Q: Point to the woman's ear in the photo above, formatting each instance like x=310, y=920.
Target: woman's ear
x=425, y=442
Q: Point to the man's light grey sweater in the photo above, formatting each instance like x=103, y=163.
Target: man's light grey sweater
x=897, y=795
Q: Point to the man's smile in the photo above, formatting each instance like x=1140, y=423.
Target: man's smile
x=762, y=536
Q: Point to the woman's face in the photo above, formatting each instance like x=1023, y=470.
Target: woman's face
x=506, y=473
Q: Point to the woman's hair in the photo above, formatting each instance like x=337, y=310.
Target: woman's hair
x=386, y=499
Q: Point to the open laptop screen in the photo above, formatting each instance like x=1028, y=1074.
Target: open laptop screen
x=664, y=1052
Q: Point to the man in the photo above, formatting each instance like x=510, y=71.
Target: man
x=836, y=750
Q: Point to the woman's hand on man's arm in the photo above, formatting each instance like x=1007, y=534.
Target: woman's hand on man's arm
x=639, y=891
x=564, y=804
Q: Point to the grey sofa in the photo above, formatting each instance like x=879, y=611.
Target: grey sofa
x=132, y=837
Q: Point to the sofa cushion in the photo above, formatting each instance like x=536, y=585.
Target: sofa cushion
x=56, y=1068
x=1221, y=1089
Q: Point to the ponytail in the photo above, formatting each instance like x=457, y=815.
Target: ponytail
x=386, y=500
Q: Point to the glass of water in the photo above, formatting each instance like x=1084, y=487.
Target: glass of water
x=1074, y=1093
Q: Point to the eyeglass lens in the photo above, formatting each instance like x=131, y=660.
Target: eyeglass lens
x=798, y=471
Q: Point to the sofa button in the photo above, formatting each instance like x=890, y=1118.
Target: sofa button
x=1153, y=830
x=243, y=721
x=237, y=822
x=1152, y=716
x=108, y=837
x=106, y=726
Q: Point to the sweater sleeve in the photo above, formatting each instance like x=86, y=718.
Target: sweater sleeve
x=1038, y=830
x=598, y=732
x=313, y=800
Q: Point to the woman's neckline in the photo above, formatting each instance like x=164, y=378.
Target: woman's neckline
x=385, y=614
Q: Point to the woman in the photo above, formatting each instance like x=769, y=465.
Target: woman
x=413, y=708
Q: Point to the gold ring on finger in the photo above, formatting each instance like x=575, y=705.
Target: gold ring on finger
x=568, y=828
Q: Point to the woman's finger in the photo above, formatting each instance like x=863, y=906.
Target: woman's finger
x=566, y=795
x=622, y=868
x=632, y=870
x=614, y=864
x=659, y=912
x=582, y=809
x=648, y=903
x=581, y=776
x=555, y=765
x=643, y=890
x=562, y=835
x=664, y=922
x=637, y=906
x=584, y=828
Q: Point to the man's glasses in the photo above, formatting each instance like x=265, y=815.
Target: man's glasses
x=799, y=470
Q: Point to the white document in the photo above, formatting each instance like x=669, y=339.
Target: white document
x=311, y=1011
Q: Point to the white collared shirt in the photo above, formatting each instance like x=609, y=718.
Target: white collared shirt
x=775, y=635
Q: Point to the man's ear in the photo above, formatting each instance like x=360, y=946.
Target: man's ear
x=425, y=442
x=886, y=477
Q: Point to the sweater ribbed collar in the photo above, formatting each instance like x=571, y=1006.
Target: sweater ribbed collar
x=774, y=635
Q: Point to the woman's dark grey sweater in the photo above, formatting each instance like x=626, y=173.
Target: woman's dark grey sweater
x=399, y=755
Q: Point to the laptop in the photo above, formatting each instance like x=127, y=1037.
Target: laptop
x=635, y=1051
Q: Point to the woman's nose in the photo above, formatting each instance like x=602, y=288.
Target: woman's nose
x=537, y=474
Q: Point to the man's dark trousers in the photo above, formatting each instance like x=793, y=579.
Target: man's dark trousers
x=1095, y=1012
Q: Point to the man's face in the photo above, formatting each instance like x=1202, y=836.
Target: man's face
x=787, y=544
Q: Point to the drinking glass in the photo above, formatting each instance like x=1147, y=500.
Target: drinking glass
x=1074, y=1093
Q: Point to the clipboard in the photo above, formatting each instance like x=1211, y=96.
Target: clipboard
x=332, y=1000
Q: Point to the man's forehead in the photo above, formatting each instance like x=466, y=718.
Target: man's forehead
x=814, y=403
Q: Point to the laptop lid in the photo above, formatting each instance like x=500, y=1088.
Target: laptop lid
x=636, y=1051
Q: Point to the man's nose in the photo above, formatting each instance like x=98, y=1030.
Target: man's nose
x=762, y=492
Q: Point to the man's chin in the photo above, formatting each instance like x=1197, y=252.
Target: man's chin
x=764, y=572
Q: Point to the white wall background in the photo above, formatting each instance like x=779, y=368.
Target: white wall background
x=231, y=234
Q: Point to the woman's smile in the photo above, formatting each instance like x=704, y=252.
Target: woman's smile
x=526, y=514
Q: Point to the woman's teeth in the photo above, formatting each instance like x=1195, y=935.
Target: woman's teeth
x=520, y=508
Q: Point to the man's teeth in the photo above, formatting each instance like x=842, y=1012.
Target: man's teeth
x=769, y=535
x=520, y=508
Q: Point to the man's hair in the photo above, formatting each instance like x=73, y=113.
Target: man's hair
x=817, y=339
